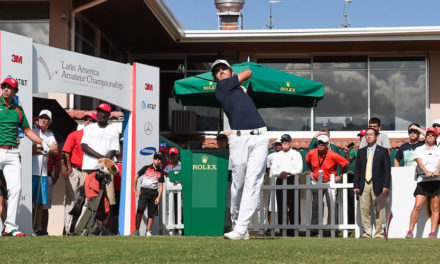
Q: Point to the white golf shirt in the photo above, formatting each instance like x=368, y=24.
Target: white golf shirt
x=288, y=161
x=37, y=160
x=101, y=140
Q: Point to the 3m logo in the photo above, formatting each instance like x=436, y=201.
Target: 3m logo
x=17, y=59
x=148, y=87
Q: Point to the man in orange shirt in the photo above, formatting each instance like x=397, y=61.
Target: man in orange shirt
x=325, y=159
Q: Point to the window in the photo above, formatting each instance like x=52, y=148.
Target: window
x=356, y=88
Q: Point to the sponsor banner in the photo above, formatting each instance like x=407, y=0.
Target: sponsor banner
x=62, y=71
x=147, y=114
x=16, y=62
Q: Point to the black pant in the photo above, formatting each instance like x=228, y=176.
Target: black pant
x=290, y=203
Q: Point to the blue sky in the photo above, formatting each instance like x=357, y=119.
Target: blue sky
x=306, y=14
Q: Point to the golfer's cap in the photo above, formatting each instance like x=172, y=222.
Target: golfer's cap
x=174, y=151
x=362, y=132
x=11, y=81
x=158, y=155
x=45, y=112
x=93, y=116
x=217, y=62
x=323, y=138
x=437, y=121
x=433, y=130
x=286, y=137
x=104, y=107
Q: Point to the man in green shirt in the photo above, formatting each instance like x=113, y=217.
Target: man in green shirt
x=12, y=117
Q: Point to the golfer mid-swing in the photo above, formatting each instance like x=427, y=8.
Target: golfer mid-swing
x=247, y=145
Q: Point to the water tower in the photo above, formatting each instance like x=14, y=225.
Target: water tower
x=229, y=17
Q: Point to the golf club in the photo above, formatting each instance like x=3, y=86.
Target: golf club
x=181, y=70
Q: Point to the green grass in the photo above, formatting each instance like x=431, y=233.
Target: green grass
x=215, y=250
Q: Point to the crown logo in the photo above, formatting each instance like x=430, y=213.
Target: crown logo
x=210, y=83
x=287, y=84
x=204, y=159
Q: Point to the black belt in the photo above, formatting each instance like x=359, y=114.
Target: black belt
x=76, y=168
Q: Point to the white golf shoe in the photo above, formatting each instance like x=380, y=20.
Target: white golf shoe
x=149, y=234
x=234, y=235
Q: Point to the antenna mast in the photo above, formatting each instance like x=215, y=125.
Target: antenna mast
x=345, y=21
x=270, y=23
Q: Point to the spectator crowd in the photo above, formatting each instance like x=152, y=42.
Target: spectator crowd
x=90, y=160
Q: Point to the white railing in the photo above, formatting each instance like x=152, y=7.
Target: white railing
x=303, y=186
x=171, y=191
x=303, y=183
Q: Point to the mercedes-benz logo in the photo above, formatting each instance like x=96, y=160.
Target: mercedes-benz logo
x=148, y=128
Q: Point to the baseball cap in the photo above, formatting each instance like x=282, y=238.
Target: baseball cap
x=163, y=149
x=217, y=62
x=11, y=81
x=46, y=112
x=104, y=107
x=276, y=142
x=174, y=151
x=437, y=121
x=158, y=155
x=362, y=132
x=433, y=130
x=285, y=137
x=93, y=116
x=323, y=138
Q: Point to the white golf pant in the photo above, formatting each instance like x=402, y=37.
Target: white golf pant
x=248, y=155
x=10, y=164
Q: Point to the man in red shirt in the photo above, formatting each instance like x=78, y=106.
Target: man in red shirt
x=325, y=159
x=73, y=156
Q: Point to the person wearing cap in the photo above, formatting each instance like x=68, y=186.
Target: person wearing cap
x=405, y=152
x=11, y=117
x=428, y=181
x=286, y=164
x=74, y=176
x=323, y=131
x=150, y=192
x=40, y=172
x=382, y=139
x=351, y=153
x=248, y=145
x=100, y=140
x=435, y=124
x=173, y=164
x=372, y=178
x=326, y=160
x=350, y=156
x=276, y=145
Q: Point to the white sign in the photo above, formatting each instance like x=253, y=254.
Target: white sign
x=16, y=62
x=402, y=203
x=61, y=71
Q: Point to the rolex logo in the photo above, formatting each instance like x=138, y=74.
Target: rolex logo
x=204, y=159
x=204, y=165
x=210, y=83
x=287, y=84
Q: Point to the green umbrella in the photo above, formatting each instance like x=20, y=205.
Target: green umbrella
x=267, y=87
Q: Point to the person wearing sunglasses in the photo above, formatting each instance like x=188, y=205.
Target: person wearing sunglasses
x=405, y=153
x=13, y=116
x=326, y=160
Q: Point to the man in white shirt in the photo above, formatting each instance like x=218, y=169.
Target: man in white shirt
x=40, y=179
x=285, y=165
x=101, y=141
